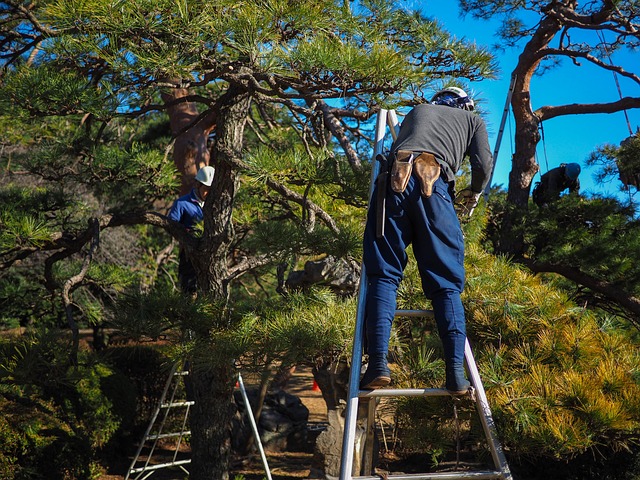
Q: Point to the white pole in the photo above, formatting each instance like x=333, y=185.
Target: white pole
x=254, y=427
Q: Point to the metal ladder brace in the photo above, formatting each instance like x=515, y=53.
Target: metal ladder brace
x=141, y=472
x=388, y=117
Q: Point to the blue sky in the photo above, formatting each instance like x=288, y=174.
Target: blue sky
x=568, y=138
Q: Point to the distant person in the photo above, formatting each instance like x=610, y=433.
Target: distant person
x=187, y=210
x=432, y=143
x=555, y=181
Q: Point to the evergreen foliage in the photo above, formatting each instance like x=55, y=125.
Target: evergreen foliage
x=621, y=161
x=61, y=184
x=561, y=380
x=87, y=137
x=591, y=241
x=56, y=417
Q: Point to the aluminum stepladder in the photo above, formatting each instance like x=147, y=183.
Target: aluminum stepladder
x=142, y=469
x=501, y=468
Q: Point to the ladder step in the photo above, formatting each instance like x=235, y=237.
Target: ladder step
x=407, y=392
x=168, y=435
x=177, y=404
x=161, y=465
x=477, y=475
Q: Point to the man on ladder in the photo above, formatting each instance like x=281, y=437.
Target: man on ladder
x=417, y=207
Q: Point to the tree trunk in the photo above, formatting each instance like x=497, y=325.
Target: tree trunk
x=524, y=165
x=211, y=417
x=210, y=420
x=190, y=150
x=211, y=260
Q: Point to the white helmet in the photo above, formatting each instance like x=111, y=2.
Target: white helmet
x=453, y=97
x=205, y=175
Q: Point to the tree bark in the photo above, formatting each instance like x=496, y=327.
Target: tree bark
x=557, y=16
x=527, y=136
x=211, y=419
x=190, y=151
x=211, y=261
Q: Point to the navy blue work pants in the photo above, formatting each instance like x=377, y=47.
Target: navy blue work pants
x=432, y=226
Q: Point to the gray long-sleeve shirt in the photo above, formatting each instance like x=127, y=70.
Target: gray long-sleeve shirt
x=449, y=134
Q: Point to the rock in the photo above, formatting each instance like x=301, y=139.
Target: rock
x=328, y=451
x=340, y=275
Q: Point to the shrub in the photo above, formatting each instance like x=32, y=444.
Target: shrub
x=55, y=416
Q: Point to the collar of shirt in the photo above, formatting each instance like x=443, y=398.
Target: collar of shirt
x=195, y=198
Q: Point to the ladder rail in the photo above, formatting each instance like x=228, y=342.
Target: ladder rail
x=183, y=431
x=166, y=405
x=488, y=425
x=351, y=411
x=152, y=421
x=254, y=426
x=496, y=149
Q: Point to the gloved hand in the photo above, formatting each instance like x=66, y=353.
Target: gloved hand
x=466, y=201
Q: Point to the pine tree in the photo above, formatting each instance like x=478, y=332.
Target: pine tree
x=550, y=35
x=220, y=69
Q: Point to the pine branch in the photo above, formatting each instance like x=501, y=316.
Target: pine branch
x=71, y=283
x=291, y=196
x=622, y=298
x=247, y=264
x=566, y=52
x=67, y=244
x=336, y=128
x=548, y=112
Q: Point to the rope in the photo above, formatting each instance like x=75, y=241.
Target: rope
x=544, y=145
x=615, y=77
x=457, y=423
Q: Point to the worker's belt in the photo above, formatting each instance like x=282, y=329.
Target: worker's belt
x=427, y=170
x=426, y=167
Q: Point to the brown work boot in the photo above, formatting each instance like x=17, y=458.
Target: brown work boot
x=401, y=170
x=456, y=384
x=428, y=171
x=377, y=375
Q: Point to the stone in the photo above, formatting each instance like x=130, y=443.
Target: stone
x=340, y=275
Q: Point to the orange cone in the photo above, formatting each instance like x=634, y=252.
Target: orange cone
x=316, y=387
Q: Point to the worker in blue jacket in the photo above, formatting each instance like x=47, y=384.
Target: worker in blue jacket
x=432, y=142
x=187, y=210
